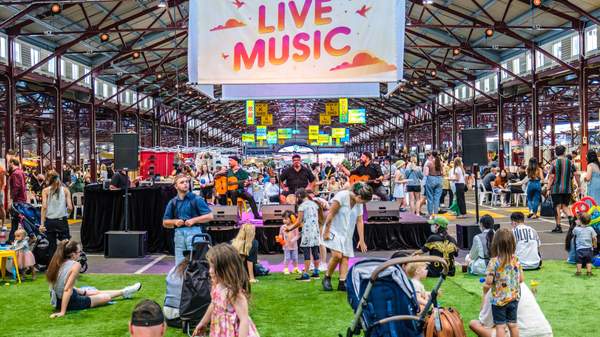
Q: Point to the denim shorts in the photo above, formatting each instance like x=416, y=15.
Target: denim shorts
x=290, y=255
x=76, y=302
x=308, y=250
x=506, y=313
x=584, y=256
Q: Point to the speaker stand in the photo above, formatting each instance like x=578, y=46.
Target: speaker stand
x=475, y=174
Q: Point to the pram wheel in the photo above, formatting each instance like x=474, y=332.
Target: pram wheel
x=84, y=267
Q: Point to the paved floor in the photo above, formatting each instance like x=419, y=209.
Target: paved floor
x=552, y=244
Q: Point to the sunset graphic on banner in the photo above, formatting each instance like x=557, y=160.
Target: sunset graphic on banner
x=301, y=41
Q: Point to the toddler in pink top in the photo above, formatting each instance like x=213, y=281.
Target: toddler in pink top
x=290, y=248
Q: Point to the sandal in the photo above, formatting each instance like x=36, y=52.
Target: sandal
x=577, y=273
x=589, y=273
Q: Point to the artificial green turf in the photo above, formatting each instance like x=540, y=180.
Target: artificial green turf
x=281, y=306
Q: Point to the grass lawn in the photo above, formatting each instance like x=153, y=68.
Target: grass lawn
x=283, y=307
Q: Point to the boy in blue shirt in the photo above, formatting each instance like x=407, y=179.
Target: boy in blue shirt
x=585, y=241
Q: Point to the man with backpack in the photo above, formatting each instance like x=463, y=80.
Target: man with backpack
x=560, y=182
x=185, y=212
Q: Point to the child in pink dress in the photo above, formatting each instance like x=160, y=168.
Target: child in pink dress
x=228, y=310
x=25, y=257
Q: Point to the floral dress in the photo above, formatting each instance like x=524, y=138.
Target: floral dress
x=224, y=321
x=310, y=218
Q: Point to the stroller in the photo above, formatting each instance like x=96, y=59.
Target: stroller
x=195, y=290
x=30, y=219
x=384, y=299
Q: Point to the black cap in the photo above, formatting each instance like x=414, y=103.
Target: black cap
x=234, y=157
x=147, y=313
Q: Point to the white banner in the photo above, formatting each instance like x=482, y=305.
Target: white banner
x=302, y=41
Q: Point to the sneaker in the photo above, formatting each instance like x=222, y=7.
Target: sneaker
x=296, y=270
x=342, y=285
x=286, y=271
x=557, y=229
x=132, y=289
x=327, y=283
x=303, y=277
x=323, y=268
x=315, y=273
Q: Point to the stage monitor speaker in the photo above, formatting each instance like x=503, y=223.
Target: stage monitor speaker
x=126, y=151
x=465, y=235
x=224, y=215
x=382, y=211
x=273, y=213
x=474, y=147
x=121, y=244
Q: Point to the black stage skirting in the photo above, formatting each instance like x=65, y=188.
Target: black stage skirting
x=103, y=211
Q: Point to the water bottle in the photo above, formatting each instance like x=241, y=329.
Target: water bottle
x=3, y=236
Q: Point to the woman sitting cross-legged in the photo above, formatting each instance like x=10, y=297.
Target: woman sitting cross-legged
x=62, y=274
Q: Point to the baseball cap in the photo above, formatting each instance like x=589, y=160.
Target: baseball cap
x=440, y=221
x=147, y=313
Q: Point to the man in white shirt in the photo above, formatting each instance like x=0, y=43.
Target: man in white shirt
x=528, y=242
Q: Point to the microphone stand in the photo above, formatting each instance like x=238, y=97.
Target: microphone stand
x=126, y=196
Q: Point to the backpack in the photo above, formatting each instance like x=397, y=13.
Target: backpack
x=195, y=290
x=444, y=322
x=260, y=270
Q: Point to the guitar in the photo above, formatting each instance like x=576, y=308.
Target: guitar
x=356, y=178
x=224, y=184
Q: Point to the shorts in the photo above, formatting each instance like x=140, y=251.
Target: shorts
x=76, y=302
x=290, y=255
x=561, y=199
x=506, y=313
x=584, y=256
x=307, y=251
x=416, y=189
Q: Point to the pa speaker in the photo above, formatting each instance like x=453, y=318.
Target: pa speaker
x=224, y=215
x=465, y=235
x=131, y=244
x=274, y=213
x=126, y=151
x=382, y=211
x=474, y=146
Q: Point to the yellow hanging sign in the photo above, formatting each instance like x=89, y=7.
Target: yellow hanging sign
x=332, y=108
x=248, y=138
x=250, y=112
x=313, y=132
x=262, y=109
x=267, y=120
x=324, y=119
x=323, y=139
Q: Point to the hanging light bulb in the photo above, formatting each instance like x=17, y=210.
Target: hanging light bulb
x=433, y=73
x=456, y=51
x=537, y=3
x=55, y=8
x=104, y=37
x=136, y=54
x=489, y=32
x=159, y=76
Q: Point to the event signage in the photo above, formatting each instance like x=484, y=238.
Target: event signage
x=338, y=133
x=357, y=116
x=332, y=108
x=324, y=139
x=267, y=120
x=250, y=113
x=346, y=138
x=247, y=138
x=284, y=133
x=343, y=108
x=272, y=137
x=324, y=119
x=261, y=132
x=262, y=109
x=313, y=132
x=295, y=41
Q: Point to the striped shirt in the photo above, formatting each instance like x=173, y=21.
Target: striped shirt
x=563, y=171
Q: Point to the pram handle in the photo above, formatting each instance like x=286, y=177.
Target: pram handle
x=397, y=318
x=409, y=259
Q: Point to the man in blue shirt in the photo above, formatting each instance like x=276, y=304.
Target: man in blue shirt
x=184, y=213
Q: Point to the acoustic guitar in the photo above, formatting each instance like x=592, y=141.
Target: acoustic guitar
x=356, y=178
x=224, y=184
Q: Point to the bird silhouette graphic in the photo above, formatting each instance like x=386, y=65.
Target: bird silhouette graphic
x=363, y=11
x=224, y=56
x=239, y=3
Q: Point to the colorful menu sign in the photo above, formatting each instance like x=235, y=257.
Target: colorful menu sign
x=357, y=116
x=250, y=113
x=247, y=138
x=313, y=132
x=272, y=137
x=261, y=132
x=284, y=133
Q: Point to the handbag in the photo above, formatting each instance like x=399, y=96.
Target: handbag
x=444, y=322
x=547, y=209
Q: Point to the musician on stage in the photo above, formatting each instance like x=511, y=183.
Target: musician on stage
x=372, y=170
x=242, y=176
x=295, y=177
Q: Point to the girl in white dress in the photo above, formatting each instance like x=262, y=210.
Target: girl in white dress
x=345, y=215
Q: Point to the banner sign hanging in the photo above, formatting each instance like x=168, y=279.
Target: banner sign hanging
x=250, y=113
x=267, y=120
x=324, y=119
x=338, y=133
x=343, y=108
x=357, y=116
x=284, y=133
x=272, y=137
x=313, y=132
x=261, y=132
x=301, y=41
x=332, y=108
x=262, y=109
x=247, y=137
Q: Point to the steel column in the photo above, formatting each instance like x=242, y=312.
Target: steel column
x=11, y=96
x=435, y=124
x=473, y=112
x=92, y=121
x=118, y=113
x=583, y=99
x=77, y=136
x=535, y=106
x=500, y=123
x=454, y=130
x=58, y=120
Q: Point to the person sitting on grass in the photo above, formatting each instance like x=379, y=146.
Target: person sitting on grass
x=528, y=242
x=310, y=214
x=585, y=242
x=62, y=274
x=247, y=247
x=479, y=256
x=290, y=235
x=504, y=276
x=417, y=271
x=440, y=244
x=227, y=315
x=147, y=320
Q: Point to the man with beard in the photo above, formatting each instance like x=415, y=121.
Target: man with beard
x=235, y=170
x=373, y=171
x=295, y=177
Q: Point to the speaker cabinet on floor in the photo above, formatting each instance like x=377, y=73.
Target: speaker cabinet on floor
x=383, y=211
x=224, y=215
x=272, y=214
x=121, y=244
x=465, y=235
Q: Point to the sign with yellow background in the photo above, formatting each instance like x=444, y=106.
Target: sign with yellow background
x=313, y=132
x=324, y=119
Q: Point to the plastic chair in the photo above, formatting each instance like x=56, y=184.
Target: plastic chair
x=77, y=203
x=483, y=194
x=4, y=255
